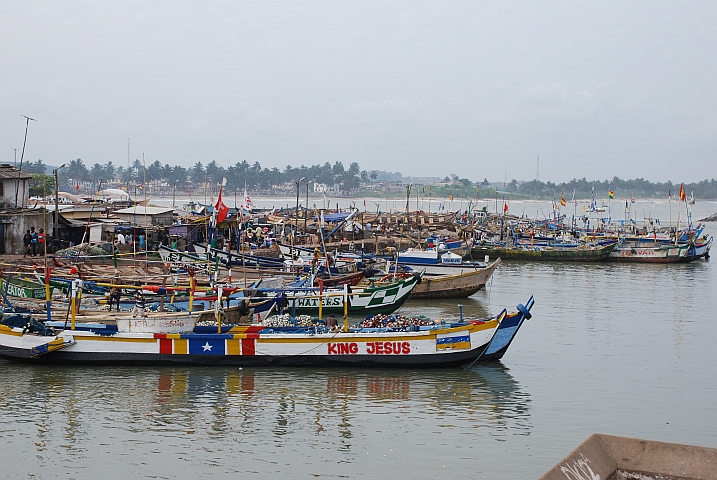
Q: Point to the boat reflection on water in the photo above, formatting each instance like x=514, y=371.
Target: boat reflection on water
x=258, y=406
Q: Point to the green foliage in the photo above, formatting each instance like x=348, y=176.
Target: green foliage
x=41, y=185
x=349, y=180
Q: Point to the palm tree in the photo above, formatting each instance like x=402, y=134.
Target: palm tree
x=77, y=171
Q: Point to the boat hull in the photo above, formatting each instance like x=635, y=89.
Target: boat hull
x=363, y=302
x=551, y=254
x=641, y=253
x=454, y=286
x=440, y=347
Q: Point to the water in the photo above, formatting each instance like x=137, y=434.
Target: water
x=618, y=349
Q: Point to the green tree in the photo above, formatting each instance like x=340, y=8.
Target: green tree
x=41, y=185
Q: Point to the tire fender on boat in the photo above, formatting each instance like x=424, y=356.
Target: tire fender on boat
x=526, y=313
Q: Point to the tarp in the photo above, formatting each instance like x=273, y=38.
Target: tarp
x=336, y=217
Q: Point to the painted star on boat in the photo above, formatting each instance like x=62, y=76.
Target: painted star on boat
x=206, y=347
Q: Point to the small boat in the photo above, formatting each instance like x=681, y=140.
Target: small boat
x=700, y=248
x=460, y=285
x=239, y=259
x=22, y=288
x=437, y=345
x=435, y=262
x=363, y=301
x=581, y=253
x=646, y=252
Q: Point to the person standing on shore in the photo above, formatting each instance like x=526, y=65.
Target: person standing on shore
x=26, y=241
x=33, y=241
x=41, y=242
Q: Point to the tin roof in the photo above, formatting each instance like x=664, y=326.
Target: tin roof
x=7, y=171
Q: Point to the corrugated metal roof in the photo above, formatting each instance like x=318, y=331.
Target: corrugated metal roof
x=7, y=171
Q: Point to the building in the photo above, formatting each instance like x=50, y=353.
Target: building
x=14, y=187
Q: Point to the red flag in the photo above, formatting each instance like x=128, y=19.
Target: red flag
x=77, y=187
x=222, y=210
x=505, y=208
x=682, y=193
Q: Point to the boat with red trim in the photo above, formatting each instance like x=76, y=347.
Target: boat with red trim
x=439, y=345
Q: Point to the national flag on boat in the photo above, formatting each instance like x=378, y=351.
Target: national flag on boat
x=451, y=197
x=610, y=194
x=505, y=208
x=77, y=187
x=221, y=210
x=632, y=199
x=683, y=198
x=248, y=204
x=562, y=199
x=669, y=194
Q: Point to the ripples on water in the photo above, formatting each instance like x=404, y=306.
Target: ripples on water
x=159, y=422
x=619, y=349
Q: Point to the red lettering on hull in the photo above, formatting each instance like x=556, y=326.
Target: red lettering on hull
x=372, y=348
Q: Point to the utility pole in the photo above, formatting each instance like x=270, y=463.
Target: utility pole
x=307, y=206
x=57, y=201
x=22, y=156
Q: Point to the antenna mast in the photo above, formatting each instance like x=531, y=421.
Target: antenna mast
x=537, y=169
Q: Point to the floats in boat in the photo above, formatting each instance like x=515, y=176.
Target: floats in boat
x=411, y=346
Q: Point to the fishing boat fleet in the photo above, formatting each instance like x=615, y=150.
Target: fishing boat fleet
x=266, y=288
x=283, y=315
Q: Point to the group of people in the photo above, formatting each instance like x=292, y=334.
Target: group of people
x=34, y=242
x=128, y=239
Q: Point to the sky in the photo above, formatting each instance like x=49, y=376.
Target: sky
x=478, y=89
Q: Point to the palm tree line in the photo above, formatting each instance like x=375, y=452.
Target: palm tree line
x=168, y=178
x=162, y=178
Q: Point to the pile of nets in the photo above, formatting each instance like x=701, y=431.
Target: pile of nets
x=84, y=250
x=395, y=321
x=286, y=321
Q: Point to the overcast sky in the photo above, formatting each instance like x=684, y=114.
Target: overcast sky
x=475, y=88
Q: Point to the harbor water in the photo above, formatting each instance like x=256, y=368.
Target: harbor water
x=621, y=349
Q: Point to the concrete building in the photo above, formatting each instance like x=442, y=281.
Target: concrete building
x=14, y=222
x=14, y=187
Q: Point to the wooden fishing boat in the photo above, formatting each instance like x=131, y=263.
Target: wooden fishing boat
x=363, y=301
x=239, y=259
x=460, y=285
x=700, y=248
x=22, y=288
x=440, y=345
x=645, y=252
x=582, y=253
x=435, y=262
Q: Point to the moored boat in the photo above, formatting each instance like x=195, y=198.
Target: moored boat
x=460, y=285
x=439, y=345
x=645, y=252
x=700, y=248
x=581, y=253
x=363, y=301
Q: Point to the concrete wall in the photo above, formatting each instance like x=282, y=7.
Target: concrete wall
x=18, y=222
x=8, y=196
